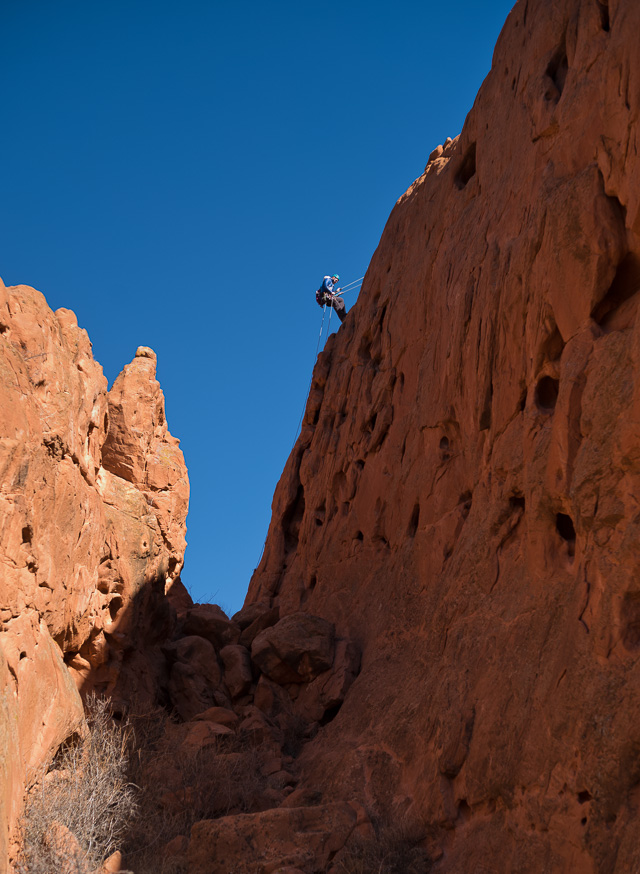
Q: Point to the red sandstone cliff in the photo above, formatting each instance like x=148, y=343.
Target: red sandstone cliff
x=93, y=501
x=444, y=630
x=463, y=498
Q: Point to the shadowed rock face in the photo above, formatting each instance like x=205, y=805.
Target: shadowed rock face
x=86, y=552
x=463, y=498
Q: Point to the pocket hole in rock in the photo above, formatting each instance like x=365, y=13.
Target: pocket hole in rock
x=467, y=168
x=546, y=395
x=414, y=521
x=566, y=530
x=114, y=607
x=605, y=23
x=558, y=68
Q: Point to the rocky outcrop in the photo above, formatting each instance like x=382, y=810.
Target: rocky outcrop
x=462, y=500
x=442, y=637
x=93, y=501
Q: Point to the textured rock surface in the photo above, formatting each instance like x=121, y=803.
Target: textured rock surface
x=462, y=500
x=85, y=552
x=304, y=837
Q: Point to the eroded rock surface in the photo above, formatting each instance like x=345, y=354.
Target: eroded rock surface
x=444, y=631
x=462, y=500
x=86, y=549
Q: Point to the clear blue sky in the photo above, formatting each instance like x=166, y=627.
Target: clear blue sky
x=183, y=174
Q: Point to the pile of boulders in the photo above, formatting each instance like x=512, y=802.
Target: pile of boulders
x=263, y=685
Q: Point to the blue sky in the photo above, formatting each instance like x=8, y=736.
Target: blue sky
x=182, y=175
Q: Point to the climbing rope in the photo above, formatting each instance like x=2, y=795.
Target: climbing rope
x=346, y=290
x=352, y=286
x=355, y=282
x=304, y=406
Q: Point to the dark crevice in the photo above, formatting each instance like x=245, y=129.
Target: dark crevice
x=292, y=519
x=522, y=403
x=330, y=714
x=359, y=536
x=467, y=168
x=557, y=71
x=464, y=811
x=466, y=499
x=516, y=502
x=552, y=347
x=546, y=395
x=567, y=531
x=603, y=8
x=485, y=415
x=625, y=285
x=630, y=621
x=584, y=796
x=414, y=521
x=27, y=534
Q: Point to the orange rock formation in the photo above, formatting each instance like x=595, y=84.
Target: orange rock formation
x=445, y=627
x=463, y=498
x=90, y=535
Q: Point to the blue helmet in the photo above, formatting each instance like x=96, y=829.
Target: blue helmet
x=335, y=276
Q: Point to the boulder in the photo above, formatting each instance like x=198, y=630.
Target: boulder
x=323, y=696
x=237, y=669
x=296, y=649
x=209, y=621
x=304, y=837
x=194, y=677
x=263, y=620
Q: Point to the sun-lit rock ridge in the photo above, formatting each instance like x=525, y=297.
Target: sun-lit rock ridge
x=463, y=499
x=86, y=548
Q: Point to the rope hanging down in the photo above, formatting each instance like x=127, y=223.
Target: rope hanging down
x=348, y=287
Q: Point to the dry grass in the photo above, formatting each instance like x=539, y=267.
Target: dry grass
x=179, y=787
x=394, y=850
x=78, y=813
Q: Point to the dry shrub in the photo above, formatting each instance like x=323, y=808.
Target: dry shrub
x=179, y=786
x=77, y=814
x=394, y=850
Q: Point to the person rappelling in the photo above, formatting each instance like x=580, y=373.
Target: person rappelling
x=326, y=296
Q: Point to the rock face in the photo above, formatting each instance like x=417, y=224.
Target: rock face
x=463, y=499
x=444, y=631
x=93, y=501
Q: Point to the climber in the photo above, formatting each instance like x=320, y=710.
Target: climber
x=326, y=296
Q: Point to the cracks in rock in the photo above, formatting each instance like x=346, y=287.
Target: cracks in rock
x=507, y=524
